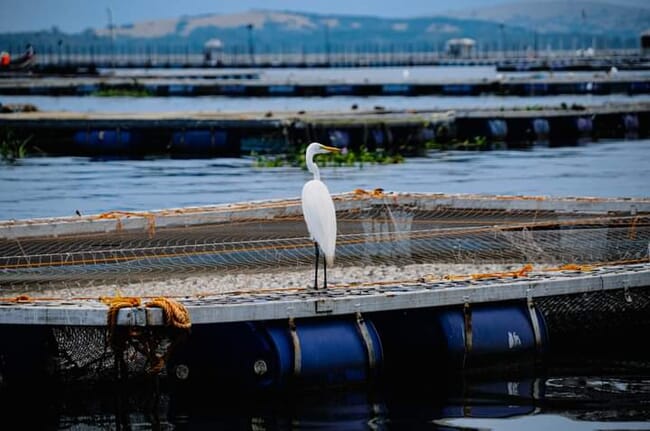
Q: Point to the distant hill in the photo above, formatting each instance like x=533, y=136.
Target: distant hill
x=297, y=31
x=554, y=16
x=518, y=25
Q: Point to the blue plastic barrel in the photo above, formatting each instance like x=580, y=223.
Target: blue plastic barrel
x=396, y=89
x=272, y=355
x=339, y=89
x=232, y=89
x=639, y=87
x=378, y=137
x=458, y=89
x=339, y=138
x=501, y=331
x=536, y=88
x=180, y=89
x=199, y=141
x=86, y=89
x=631, y=122
x=498, y=129
x=112, y=142
x=541, y=127
x=584, y=125
x=329, y=352
x=281, y=89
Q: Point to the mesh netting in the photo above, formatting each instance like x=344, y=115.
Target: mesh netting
x=94, y=353
x=371, y=232
x=616, y=316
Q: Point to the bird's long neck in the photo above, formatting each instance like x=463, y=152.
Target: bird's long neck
x=313, y=167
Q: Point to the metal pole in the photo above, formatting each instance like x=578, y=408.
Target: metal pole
x=327, y=43
x=111, y=28
x=251, y=47
x=503, y=40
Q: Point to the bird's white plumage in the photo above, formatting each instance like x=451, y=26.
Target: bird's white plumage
x=320, y=216
x=317, y=205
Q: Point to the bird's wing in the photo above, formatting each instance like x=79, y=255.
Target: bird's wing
x=320, y=216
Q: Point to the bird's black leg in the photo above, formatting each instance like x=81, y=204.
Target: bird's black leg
x=324, y=272
x=316, y=269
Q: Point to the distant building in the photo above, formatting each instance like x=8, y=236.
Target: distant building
x=645, y=42
x=212, y=51
x=461, y=48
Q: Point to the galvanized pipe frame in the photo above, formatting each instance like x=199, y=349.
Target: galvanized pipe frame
x=269, y=209
x=295, y=304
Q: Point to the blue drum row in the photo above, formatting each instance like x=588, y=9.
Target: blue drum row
x=533, y=87
x=564, y=126
x=333, y=351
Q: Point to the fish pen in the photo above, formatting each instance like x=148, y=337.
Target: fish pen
x=225, y=293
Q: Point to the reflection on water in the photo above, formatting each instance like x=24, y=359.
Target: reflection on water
x=611, y=396
x=58, y=186
x=540, y=422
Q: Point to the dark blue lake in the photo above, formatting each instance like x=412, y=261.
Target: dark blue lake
x=584, y=394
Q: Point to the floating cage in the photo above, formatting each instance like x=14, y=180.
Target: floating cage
x=257, y=253
x=119, y=248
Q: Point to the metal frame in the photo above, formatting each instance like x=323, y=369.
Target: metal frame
x=293, y=304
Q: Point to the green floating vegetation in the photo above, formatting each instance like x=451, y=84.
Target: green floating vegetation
x=345, y=158
x=122, y=92
x=12, y=146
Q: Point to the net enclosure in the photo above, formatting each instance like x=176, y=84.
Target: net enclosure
x=218, y=248
x=252, y=254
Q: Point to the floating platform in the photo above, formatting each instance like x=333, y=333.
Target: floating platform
x=573, y=261
x=337, y=301
x=237, y=134
x=199, y=86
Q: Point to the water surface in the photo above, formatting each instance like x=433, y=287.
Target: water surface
x=59, y=186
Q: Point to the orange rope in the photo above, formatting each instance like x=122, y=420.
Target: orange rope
x=22, y=299
x=573, y=267
x=174, y=313
x=115, y=303
x=522, y=272
x=361, y=193
x=632, y=234
x=118, y=215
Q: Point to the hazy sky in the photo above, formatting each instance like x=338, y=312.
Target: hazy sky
x=77, y=15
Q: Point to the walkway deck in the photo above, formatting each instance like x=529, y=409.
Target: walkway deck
x=305, y=303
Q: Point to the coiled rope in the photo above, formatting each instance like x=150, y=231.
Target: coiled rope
x=174, y=313
x=175, y=316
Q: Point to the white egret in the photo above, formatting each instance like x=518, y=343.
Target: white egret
x=318, y=210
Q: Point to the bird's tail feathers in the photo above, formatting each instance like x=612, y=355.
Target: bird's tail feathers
x=329, y=258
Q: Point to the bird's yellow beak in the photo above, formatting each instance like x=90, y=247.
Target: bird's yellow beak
x=331, y=149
